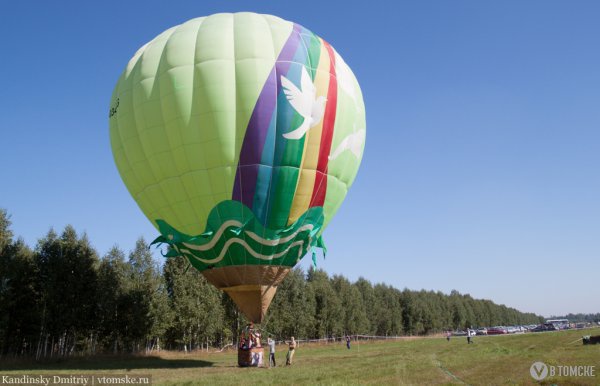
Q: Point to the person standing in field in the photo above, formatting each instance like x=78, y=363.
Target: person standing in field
x=348, y=342
x=291, y=351
x=271, y=344
x=469, y=336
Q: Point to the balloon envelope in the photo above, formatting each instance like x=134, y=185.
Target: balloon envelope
x=238, y=135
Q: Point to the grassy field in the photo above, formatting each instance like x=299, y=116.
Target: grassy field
x=415, y=361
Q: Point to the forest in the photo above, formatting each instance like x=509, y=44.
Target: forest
x=60, y=298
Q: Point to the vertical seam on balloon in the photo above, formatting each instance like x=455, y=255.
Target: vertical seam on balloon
x=118, y=130
x=207, y=214
x=162, y=116
x=138, y=129
x=277, y=131
x=301, y=167
x=329, y=118
x=329, y=126
x=289, y=159
x=340, y=178
x=346, y=165
x=274, y=117
x=276, y=143
x=303, y=32
x=300, y=172
x=195, y=62
x=308, y=60
x=172, y=155
x=298, y=29
x=306, y=135
x=274, y=112
x=232, y=16
x=309, y=244
x=254, y=142
x=327, y=174
x=189, y=163
x=134, y=72
x=331, y=83
x=138, y=57
x=131, y=82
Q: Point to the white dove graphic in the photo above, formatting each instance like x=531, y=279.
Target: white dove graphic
x=353, y=142
x=305, y=102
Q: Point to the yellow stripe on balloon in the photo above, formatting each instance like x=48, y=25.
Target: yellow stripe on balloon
x=312, y=144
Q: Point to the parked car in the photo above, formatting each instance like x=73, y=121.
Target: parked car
x=481, y=331
x=459, y=333
x=498, y=330
x=545, y=327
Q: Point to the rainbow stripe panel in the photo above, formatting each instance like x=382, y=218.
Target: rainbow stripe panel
x=279, y=178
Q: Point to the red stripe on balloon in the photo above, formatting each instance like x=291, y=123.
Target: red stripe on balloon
x=320, y=187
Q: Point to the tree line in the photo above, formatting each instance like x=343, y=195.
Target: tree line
x=585, y=318
x=60, y=299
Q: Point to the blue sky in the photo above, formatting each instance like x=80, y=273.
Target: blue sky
x=481, y=170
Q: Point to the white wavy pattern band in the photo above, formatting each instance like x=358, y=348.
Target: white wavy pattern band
x=237, y=240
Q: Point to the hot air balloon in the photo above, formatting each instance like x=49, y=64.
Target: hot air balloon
x=238, y=135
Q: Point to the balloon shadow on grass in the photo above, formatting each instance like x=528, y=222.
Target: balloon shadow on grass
x=123, y=363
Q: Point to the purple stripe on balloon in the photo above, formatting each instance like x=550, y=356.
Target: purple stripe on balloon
x=254, y=139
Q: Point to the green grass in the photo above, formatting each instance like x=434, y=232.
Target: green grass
x=416, y=361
